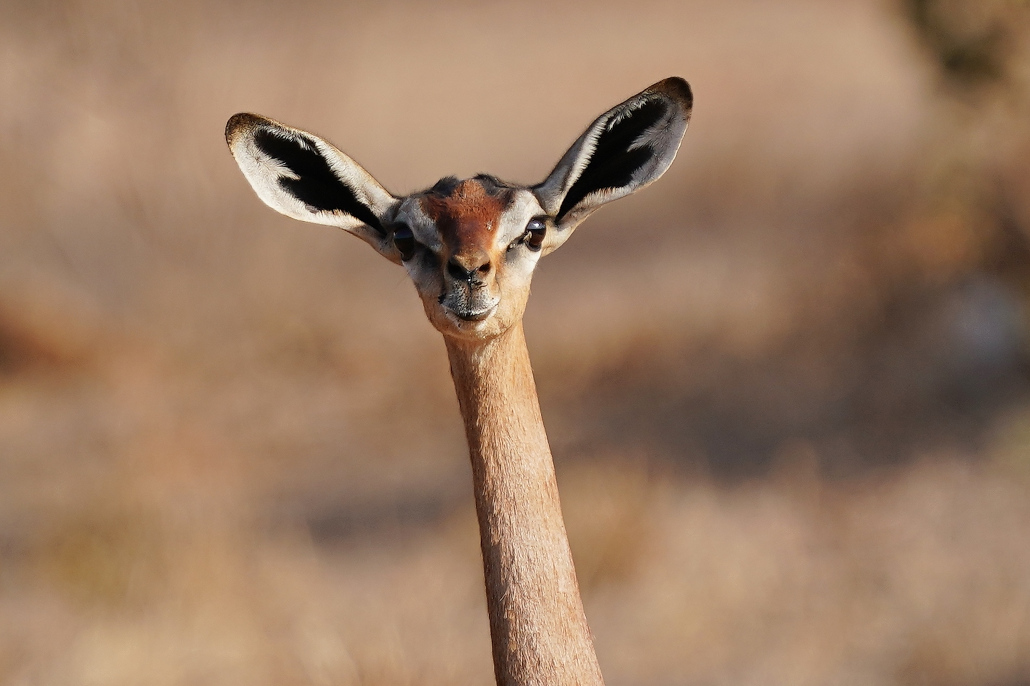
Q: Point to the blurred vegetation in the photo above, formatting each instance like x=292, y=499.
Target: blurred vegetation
x=787, y=386
x=971, y=41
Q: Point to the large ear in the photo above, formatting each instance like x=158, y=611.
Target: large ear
x=305, y=177
x=625, y=149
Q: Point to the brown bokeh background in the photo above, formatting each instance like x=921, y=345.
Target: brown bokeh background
x=787, y=386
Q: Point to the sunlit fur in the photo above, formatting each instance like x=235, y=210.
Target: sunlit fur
x=478, y=224
x=471, y=264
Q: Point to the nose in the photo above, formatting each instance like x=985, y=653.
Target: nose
x=472, y=268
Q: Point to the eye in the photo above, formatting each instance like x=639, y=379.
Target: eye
x=536, y=229
x=404, y=241
x=532, y=237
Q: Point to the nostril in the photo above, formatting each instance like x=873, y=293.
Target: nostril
x=457, y=271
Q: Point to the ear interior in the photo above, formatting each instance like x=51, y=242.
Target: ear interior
x=623, y=150
x=307, y=178
x=311, y=179
x=616, y=156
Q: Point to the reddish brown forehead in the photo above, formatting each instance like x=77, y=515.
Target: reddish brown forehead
x=467, y=214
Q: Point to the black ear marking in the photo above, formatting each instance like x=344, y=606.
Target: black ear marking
x=317, y=185
x=612, y=164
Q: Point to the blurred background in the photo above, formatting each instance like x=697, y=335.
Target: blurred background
x=787, y=386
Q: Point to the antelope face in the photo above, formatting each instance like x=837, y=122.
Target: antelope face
x=470, y=248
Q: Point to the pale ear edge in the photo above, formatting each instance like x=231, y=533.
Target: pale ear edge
x=240, y=134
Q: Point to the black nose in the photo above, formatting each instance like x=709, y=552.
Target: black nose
x=463, y=273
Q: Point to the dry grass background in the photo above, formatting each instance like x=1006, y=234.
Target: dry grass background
x=786, y=387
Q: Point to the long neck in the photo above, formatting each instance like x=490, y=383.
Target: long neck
x=537, y=625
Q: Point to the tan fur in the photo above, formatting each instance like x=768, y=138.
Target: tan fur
x=537, y=624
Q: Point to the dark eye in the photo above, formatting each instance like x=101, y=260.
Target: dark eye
x=536, y=229
x=404, y=241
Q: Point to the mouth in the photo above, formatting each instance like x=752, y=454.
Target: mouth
x=468, y=306
x=471, y=315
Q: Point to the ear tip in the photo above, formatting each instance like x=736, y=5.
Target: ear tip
x=676, y=88
x=240, y=123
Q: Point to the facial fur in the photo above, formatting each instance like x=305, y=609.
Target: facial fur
x=471, y=264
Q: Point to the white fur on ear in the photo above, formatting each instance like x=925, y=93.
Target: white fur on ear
x=622, y=151
x=305, y=177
